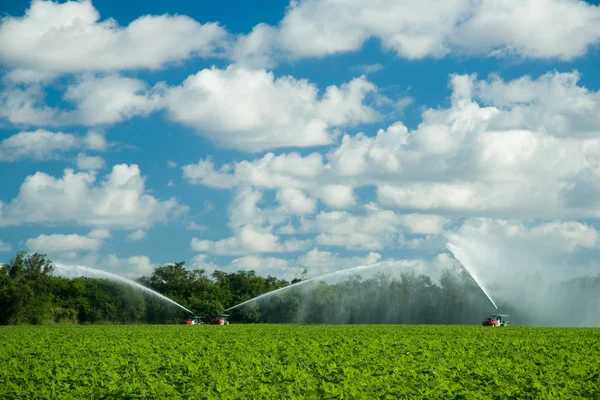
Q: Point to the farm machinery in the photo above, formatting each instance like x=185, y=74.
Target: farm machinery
x=497, y=320
x=219, y=319
x=195, y=320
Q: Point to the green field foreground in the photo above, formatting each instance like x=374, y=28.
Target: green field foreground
x=298, y=361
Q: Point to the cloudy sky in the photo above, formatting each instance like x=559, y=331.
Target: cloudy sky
x=318, y=134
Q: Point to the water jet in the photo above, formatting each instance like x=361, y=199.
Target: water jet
x=78, y=270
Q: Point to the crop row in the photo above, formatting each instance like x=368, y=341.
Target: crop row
x=298, y=361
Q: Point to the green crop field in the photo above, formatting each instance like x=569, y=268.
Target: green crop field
x=298, y=361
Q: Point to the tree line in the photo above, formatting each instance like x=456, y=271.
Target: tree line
x=31, y=293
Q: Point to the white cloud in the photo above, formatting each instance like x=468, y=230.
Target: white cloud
x=249, y=239
x=427, y=243
x=38, y=145
x=204, y=173
x=424, y=224
x=295, y=201
x=318, y=262
x=551, y=236
x=244, y=209
x=99, y=233
x=109, y=99
x=4, y=247
x=171, y=164
x=120, y=200
x=368, y=68
x=257, y=49
x=565, y=30
x=251, y=110
x=245, y=109
x=44, y=145
x=27, y=76
x=460, y=160
x=97, y=100
x=84, y=250
x=337, y=196
x=418, y=29
x=85, y=162
x=138, y=235
x=375, y=230
x=553, y=103
x=95, y=141
x=59, y=243
x=490, y=153
x=129, y=267
x=264, y=266
x=70, y=37
x=288, y=170
x=193, y=226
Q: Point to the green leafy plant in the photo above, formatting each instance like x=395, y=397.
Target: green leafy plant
x=298, y=362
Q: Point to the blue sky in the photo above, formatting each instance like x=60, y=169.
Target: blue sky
x=315, y=134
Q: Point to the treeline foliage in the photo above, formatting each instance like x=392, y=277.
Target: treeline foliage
x=30, y=293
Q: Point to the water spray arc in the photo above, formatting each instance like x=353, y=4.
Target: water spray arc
x=96, y=273
x=465, y=263
x=324, y=276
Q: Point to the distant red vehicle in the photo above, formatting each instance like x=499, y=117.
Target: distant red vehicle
x=497, y=320
x=220, y=319
x=194, y=321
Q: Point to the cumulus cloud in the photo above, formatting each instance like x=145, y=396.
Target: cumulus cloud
x=99, y=233
x=462, y=160
x=562, y=236
x=286, y=173
x=137, y=235
x=368, y=68
x=418, y=29
x=86, y=250
x=129, y=267
x=85, y=162
x=58, y=243
x=119, y=200
x=70, y=37
x=96, y=100
x=264, y=266
x=375, y=230
x=235, y=107
x=95, y=141
x=295, y=201
x=470, y=158
x=252, y=110
x=270, y=171
x=43, y=145
x=109, y=99
x=194, y=226
x=250, y=239
x=554, y=103
x=489, y=153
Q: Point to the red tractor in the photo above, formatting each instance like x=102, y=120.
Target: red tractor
x=194, y=321
x=497, y=320
x=219, y=319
